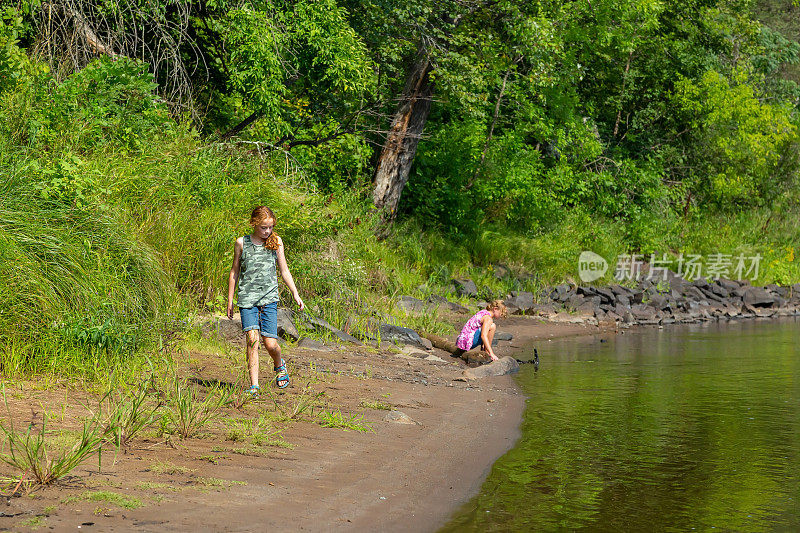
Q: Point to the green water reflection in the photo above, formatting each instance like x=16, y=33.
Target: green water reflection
x=663, y=430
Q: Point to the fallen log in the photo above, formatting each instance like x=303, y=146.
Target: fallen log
x=472, y=358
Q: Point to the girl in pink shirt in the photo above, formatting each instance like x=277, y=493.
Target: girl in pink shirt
x=481, y=327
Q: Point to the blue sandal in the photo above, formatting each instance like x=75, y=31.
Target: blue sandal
x=253, y=391
x=282, y=377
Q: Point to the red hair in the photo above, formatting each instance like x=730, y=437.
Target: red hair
x=259, y=215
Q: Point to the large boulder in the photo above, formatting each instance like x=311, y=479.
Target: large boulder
x=410, y=305
x=757, y=297
x=286, y=327
x=660, y=302
x=718, y=289
x=710, y=294
x=504, y=365
x=399, y=335
x=561, y=293
x=693, y=293
x=575, y=301
x=643, y=312
x=466, y=287
x=522, y=300
x=729, y=285
x=606, y=295
x=545, y=310
x=444, y=303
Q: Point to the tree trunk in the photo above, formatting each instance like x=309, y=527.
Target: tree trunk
x=394, y=163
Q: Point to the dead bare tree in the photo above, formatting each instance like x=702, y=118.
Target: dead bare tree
x=72, y=33
x=394, y=163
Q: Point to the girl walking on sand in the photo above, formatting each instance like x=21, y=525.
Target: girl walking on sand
x=256, y=260
x=481, y=327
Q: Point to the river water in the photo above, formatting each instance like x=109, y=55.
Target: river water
x=678, y=429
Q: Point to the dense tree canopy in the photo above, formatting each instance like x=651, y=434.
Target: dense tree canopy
x=505, y=111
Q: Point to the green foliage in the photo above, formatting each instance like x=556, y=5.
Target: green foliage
x=740, y=140
x=255, y=42
x=110, y=101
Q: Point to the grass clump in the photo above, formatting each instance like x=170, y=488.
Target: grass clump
x=336, y=419
x=257, y=431
x=126, y=502
x=40, y=460
x=296, y=406
x=217, y=483
x=186, y=414
x=34, y=522
x=169, y=468
x=129, y=414
x=152, y=485
x=377, y=405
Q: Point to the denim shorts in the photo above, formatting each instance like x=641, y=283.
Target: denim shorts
x=476, y=339
x=263, y=318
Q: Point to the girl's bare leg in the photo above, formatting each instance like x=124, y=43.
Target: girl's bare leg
x=490, y=335
x=252, y=356
x=274, y=350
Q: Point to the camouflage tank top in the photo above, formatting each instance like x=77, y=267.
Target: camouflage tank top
x=258, y=278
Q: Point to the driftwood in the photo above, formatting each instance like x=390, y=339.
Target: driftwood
x=443, y=344
x=473, y=358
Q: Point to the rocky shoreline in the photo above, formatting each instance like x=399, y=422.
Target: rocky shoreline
x=668, y=301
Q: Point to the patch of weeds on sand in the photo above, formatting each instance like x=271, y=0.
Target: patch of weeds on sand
x=153, y=485
x=103, y=482
x=126, y=502
x=208, y=483
x=270, y=440
x=129, y=414
x=256, y=430
x=166, y=467
x=34, y=522
x=335, y=419
x=187, y=414
x=297, y=405
x=316, y=375
x=213, y=459
x=43, y=461
x=50, y=509
x=377, y=404
x=101, y=511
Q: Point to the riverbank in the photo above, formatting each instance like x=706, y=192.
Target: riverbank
x=392, y=438
x=430, y=440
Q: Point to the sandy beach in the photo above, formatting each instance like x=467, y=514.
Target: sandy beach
x=395, y=477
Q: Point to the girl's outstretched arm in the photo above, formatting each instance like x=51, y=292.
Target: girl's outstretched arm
x=233, y=276
x=486, y=336
x=287, y=276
